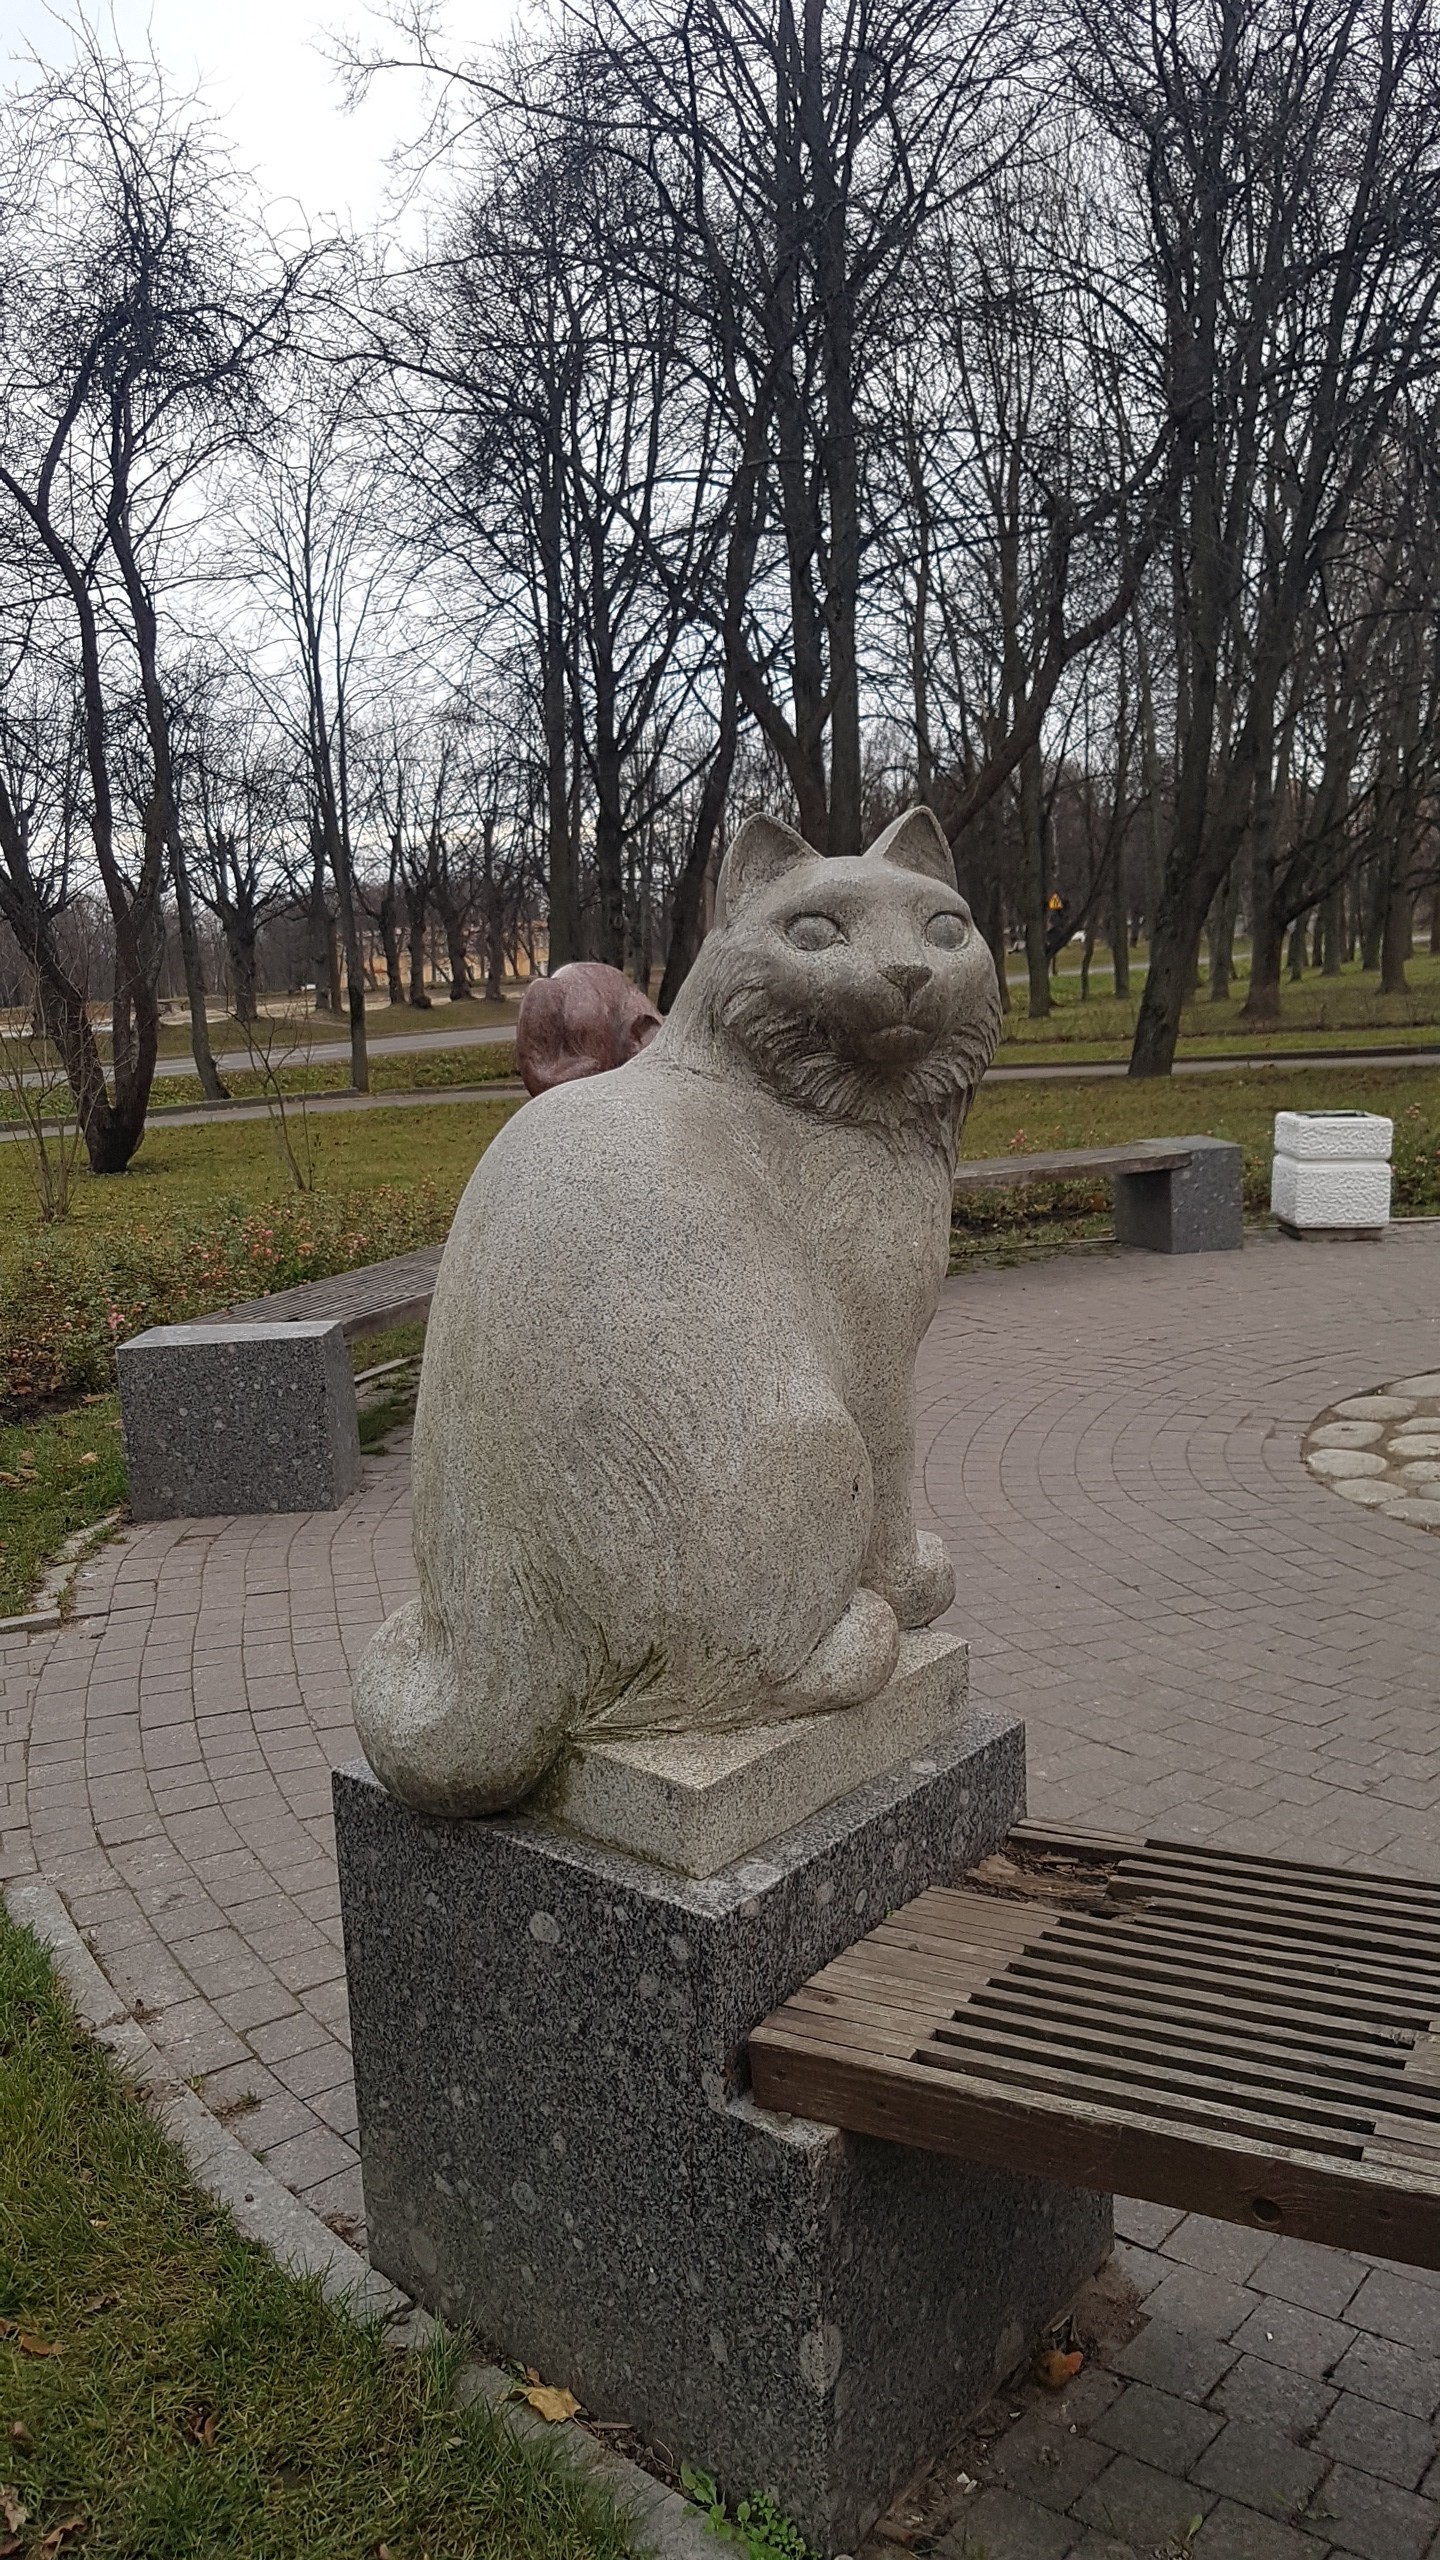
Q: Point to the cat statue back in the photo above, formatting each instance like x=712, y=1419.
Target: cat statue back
x=664, y=1438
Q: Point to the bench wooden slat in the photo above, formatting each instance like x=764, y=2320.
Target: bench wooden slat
x=1074, y=1164
x=368, y=1300
x=1244, y=2038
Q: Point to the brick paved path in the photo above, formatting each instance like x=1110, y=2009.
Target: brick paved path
x=1269, y=2401
x=1203, y=1640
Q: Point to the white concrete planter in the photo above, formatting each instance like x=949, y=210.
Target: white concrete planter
x=1331, y=1172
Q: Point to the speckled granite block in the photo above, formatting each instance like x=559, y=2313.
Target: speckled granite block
x=1199, y=1208
x=558, y=2147
x=237, y=1418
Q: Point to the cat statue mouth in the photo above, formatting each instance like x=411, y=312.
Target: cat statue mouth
x=890, y=1043
x=663, y=1450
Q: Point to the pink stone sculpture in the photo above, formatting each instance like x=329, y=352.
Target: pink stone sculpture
x=587, y=1018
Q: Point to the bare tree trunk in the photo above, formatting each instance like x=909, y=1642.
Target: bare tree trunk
x=1398, y=931
x=390, y=939
x=1332, y=931
x=240, y=940
x=1036, y=883
x=416, y=902
x=1222, y=939
x=1119, y=935
x=687, y=912
x=457, y=956
x=205, y=1067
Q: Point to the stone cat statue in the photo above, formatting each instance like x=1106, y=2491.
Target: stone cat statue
x=663, y=1444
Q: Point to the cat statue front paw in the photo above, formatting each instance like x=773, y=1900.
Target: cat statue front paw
x=925, y=1586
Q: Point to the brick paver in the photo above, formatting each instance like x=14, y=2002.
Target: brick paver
x=1203, y=1641
x=1242, y=2452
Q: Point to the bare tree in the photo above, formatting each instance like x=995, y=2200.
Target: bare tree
x=1282, y=156
x=133, y=322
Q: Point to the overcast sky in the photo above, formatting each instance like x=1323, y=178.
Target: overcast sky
x=262, y=66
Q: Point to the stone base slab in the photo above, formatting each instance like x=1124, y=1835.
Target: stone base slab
x=559, y=2147
x=696, y=1802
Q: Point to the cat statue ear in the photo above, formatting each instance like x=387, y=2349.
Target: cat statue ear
x=758, y=856
x=916, y=842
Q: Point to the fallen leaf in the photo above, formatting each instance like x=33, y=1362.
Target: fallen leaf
x=1055, y=2370
x=13, y=2509
x=552, y=2404
x=102, y=2301
x=33, y=2346
x=89, y=1457
x=62, y=2533
x=13, y=2543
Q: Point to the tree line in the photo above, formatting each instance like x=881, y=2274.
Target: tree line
x=1030, y=411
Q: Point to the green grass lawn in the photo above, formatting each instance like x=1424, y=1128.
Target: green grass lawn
x=58, y=1473
x=168, y=2393
x=382, y=1021
x=185, y=1172
x=1344, y=1012
x=189, y=1195
x=429, y=1070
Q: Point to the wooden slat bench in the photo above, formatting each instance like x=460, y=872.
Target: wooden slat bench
x=1172, y=1195
x=1245, y=2037
x=370, y=1300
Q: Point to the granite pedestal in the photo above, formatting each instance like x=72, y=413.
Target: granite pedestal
x=234, y=1417
x=559, y=2148
x=1193, y=1208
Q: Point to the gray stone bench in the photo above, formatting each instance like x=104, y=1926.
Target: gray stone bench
x=254, y=1409
x=1172, y=1195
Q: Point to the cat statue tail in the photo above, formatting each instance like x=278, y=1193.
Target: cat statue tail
x=410, y=1716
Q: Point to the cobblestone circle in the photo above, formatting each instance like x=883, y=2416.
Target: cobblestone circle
x=1382, y=1450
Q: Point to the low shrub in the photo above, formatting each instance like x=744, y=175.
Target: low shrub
x=66, y=1307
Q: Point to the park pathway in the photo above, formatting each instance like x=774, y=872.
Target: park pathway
x=1203, y=1640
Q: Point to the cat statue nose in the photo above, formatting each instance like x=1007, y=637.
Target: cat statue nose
x=909, y=977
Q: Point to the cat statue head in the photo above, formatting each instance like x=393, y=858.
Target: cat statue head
x=855, y=987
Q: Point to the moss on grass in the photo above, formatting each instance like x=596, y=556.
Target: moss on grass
x=166, y=2386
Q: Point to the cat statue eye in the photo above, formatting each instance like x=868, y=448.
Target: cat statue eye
x=813, y=933
x=948, y=932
